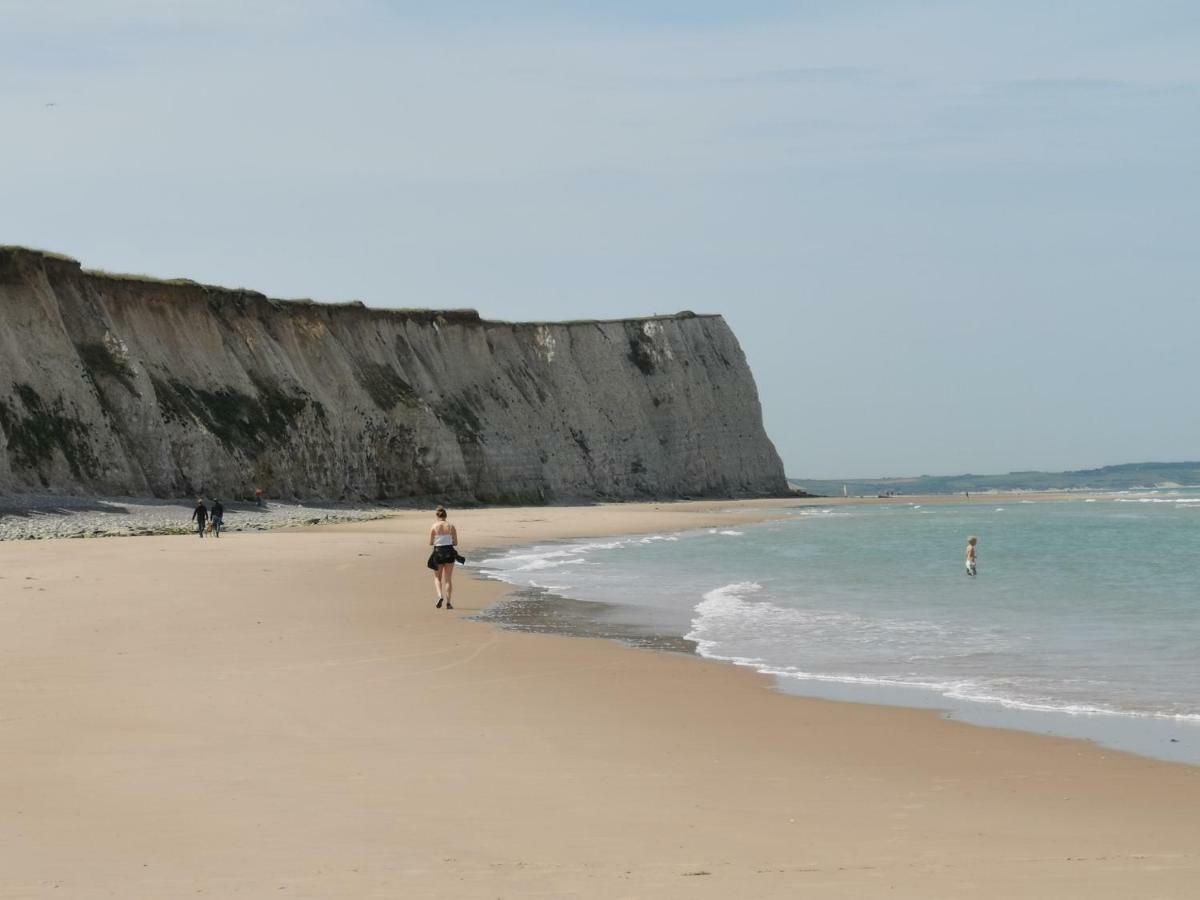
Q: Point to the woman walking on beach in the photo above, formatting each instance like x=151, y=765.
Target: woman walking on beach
x=442, y=537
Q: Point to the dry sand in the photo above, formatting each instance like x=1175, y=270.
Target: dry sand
x=287, y=715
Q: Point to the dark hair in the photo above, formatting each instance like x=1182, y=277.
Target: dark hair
x=440, y=512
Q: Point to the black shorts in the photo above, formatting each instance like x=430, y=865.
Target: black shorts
x=441, y=556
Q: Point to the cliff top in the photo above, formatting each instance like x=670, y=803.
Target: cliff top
x=453, y=315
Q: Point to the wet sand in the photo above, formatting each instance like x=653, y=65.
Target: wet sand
x=286, y=714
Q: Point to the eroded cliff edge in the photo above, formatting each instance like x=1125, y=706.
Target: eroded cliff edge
x=123, y=385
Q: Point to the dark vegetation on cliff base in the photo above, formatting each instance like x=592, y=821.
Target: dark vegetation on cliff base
x=641, y=350
x=385, y=386
x=99, y=360
x=34, y=433
x=459, y=417
x=240, y=421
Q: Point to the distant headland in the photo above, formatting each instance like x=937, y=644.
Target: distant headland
x=1124, y=477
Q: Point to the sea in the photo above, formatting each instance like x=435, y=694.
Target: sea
x=1083, y=620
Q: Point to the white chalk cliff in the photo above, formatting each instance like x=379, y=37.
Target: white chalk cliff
x=124, y=385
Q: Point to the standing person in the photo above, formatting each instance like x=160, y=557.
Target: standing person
x=218, y=517
x=442, y=538
x=971, y=555
x=200, y=516
x=258, y=500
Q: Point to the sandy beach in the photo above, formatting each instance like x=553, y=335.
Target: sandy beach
x=285, y=714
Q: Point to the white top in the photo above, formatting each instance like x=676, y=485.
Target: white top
x=443, y=540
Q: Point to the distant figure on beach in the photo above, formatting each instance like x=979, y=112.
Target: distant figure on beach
x=442, y=538
x=258, y=498
x=218, y=517
x=200, y=516
x=971, y=555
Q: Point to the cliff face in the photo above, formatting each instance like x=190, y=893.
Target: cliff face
x=113, y=384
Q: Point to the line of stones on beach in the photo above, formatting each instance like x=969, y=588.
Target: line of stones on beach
x=49, y=517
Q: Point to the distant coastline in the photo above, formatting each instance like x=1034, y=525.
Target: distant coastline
x=1128, y=476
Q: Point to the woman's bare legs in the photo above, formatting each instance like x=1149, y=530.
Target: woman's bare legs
x=437, y=585
x=446, y=572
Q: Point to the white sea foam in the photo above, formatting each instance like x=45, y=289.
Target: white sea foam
x=532, y=562
x=737, y=615
x=718, y=604
x=727, y=598
x=952, y=690
x=515, y=565
x=1183, y=500
x=731, y=533
x=548, y=587
x=728, y=615
x=538, y=565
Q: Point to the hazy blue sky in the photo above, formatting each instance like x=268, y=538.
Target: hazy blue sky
x=951, y=236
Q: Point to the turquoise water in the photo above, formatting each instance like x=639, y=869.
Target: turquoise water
x=1085, y=614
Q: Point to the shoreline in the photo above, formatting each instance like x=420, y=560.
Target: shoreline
x=317, y=708
x=540, y=610
x=46, y=516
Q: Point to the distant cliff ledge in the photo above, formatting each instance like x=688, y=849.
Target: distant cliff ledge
x=125, y=385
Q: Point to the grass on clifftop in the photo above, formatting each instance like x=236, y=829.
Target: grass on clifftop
x=49, y=254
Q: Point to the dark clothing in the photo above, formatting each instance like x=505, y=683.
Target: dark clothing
x=443, y=555
x=200, y=516
x=218, y=511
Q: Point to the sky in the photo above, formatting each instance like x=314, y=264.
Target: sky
x=950, y=236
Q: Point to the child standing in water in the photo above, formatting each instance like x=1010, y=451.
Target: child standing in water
x=971, y=555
